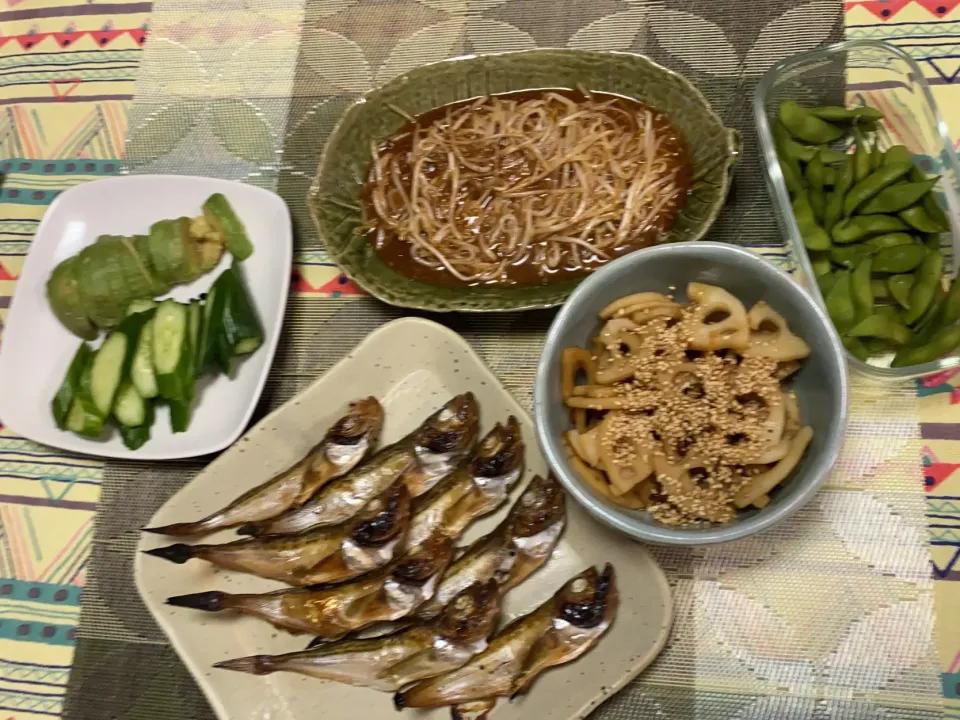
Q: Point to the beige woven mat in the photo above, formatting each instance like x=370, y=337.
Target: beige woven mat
x=827, y=616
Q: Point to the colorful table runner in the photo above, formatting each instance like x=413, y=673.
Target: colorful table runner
x=280, y=71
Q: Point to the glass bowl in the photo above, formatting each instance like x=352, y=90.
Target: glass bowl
x=863, y=72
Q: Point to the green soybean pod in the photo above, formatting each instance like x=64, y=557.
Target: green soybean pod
x=895, y=198
x=861, y=288
x=833, y=210
x=858, y=227
x=857, y=348
x=926, y=286
x=897, y=154
x=917, y=217
x=874, y=185
x=900, y=286
x=807, y=127
x=890, y=240
x=849, y=256
x=950, y=312
x=880, y=289
x=814, y=177
x=839, y=302
x=820, y=262
x=931, y=241
x=835, y=113
x=826, y=282
x=876, y=157
x=943, y=342
x=900, y=259
x=881, y=326
x=814, y=236
x=930, y=202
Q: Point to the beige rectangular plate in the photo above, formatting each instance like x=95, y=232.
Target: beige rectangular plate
x=412, y=366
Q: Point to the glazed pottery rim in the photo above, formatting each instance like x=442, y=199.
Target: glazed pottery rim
x=659, y=533
x=732, y=142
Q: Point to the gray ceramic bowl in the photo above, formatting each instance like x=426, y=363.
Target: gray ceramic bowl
x=821, y=385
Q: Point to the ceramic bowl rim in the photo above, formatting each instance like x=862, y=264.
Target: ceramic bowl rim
x=663, y=534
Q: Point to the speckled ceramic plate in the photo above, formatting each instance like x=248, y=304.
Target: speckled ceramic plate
x=334, y=197
x=412, y=366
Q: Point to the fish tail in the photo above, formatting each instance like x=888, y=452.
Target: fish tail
x=212, y=601
x=399, y=701
x=183, y=529
x=254, y=664
x=178, y=553
x=317, y=642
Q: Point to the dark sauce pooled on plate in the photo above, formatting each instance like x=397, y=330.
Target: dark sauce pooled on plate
x=563, y=173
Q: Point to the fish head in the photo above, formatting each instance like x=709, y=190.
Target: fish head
x=541, y=505
x=472, y=614
x=424, y=561
x=383, y=519
x=500, y=454
x=451, y=431
x=589, y=599
x=356, y=432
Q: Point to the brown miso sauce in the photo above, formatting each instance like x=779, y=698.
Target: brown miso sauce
x=395, y=252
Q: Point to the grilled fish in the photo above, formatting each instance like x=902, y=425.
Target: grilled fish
x=513, y=550
x=330, y=612
x=326, y=554
x=422, y=458
x=393, y=661
x=478, y=486
x=560, y=630
x=345, y=444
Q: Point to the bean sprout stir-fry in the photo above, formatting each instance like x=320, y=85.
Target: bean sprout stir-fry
x=683, y=412
x=549, y=180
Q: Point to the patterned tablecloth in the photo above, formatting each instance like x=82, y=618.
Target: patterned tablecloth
x=67, y=79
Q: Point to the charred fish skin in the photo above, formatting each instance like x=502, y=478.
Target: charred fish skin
x=516, y=548
x=331, y=612
x=442, y=441
x=588, y=608
x=343, y=446
x=346, y=444
x=326, y=554
x=382, y=662
x=460, y=632
x=422, y=458
x=480, y=484
x=494, y=672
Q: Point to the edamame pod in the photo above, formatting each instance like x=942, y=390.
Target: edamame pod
x=849, y=256
x=839, y=302
x=858, y=227
x=805, y=126
x=943, y=342
x=814, y=236
x=880, y=326
x=896, y=197
x=925, y=287
x=900, y=286
x=900, y=259
x=890, y=240
x=835, y=113
x=861, y=290
x=874, y=185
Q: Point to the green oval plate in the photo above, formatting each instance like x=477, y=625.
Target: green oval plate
x=335, y=196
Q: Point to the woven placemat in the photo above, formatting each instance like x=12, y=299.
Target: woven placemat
x=829, y=615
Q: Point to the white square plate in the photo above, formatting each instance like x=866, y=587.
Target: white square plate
x=36, y=349
x=412, y=366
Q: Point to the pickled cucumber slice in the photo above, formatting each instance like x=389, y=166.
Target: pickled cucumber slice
x=109, y=277
x=221, y=216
